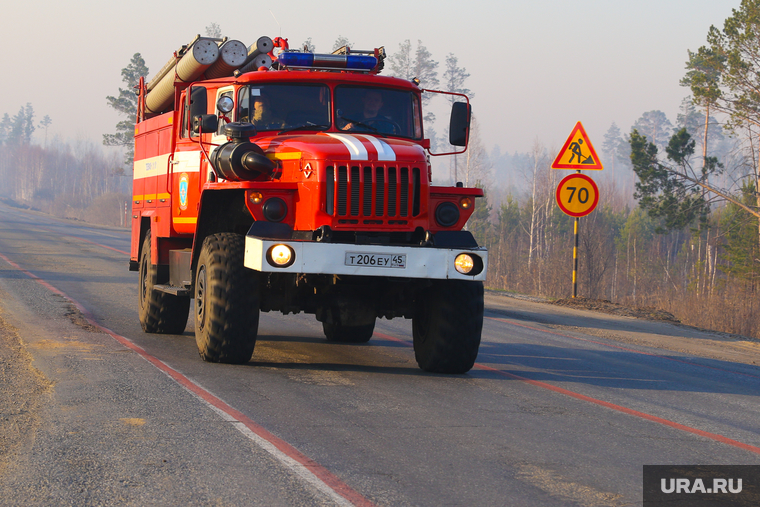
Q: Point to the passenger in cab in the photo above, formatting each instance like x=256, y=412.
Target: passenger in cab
x=369, y=118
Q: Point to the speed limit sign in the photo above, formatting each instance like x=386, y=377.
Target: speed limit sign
x=577, y=195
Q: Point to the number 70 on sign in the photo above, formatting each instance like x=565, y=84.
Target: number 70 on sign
x=577, y=195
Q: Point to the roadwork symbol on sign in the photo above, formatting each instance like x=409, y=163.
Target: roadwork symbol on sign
x=577, y=195
x=578, y=152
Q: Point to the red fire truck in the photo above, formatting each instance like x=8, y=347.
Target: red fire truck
x=299, y=183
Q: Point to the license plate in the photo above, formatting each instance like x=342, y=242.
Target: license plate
x=376, y=260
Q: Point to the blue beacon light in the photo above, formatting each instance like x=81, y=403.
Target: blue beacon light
x=349, y=62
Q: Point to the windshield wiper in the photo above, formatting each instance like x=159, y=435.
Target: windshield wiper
x=306, y=126
x=362, y=124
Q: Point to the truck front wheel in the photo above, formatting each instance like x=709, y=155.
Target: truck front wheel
x=159, y=312
x=226, y=301
x=348, y=334
x=446, y=327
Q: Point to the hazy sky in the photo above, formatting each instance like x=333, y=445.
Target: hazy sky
x=536, y=66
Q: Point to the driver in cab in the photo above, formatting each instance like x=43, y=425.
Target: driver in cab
x=263, y=115
x=370, y=119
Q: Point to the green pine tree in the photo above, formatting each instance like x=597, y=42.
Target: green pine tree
x=671, y=190
x=741, y=247
x=126, y=105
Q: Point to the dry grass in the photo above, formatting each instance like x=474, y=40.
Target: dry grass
x=732, y=309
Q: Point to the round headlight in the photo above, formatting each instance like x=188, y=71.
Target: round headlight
x=447, y=214
x=468, y=264
x=281, y=256
x=464, y=263
x=225, y=104
x=275, y=209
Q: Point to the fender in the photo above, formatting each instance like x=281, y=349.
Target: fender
x=220, y=211
x=140, y=225
x=158, y=222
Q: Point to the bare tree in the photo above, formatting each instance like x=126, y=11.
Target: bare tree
x=454, y=78
x=214, y=30
x=400, y=62
x=340, y=42
x=534, y=173
x=308, y=46
x=478, y=166
x=45, y=123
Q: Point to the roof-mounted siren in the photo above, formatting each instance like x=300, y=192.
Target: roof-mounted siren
x=378, y=53
x=357, y=61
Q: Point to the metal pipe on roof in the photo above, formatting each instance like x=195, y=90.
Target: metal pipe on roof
x=203, y=53
x=232, y=55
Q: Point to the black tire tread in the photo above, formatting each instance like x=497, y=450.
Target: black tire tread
x=228, y=334
x=159, y=312
x=447, y=326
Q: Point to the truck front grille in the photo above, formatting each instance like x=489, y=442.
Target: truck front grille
x=372, y=194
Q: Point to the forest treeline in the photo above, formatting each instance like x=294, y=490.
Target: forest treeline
x=68, y=179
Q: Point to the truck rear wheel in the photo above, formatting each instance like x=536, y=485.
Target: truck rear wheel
x=348, y=334
x=446, y=326
x=226, y=301
x=159, y=312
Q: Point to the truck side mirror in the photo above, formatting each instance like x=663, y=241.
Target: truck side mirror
x=204, y=122
x=459, y=125
x=196, y=105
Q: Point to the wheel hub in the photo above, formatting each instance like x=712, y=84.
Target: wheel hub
x=200, y=303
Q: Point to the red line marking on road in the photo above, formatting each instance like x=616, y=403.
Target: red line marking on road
x=324, y=475
x=621, y=348
x=612, y=406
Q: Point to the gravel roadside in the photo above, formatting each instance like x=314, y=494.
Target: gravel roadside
x=23, y=390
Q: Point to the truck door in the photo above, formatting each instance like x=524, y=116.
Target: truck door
x=185, y=172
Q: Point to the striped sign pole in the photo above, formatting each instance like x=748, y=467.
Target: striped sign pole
x=575, y=259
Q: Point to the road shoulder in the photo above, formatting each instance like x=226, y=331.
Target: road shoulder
x=23, y=391
x=660, y=334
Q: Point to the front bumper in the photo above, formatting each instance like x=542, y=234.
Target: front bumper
x=313, y=257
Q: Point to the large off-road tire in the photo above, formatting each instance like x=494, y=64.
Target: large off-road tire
x=226, y=301
x=348, y=334
x=446, y=326
x=159, y=312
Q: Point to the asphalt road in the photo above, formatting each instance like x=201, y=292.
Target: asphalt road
x=562, y=408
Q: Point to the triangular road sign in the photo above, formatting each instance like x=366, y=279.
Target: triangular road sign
x=578, y=152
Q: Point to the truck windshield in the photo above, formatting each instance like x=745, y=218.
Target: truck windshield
x=282, y=107
x=378, y=110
